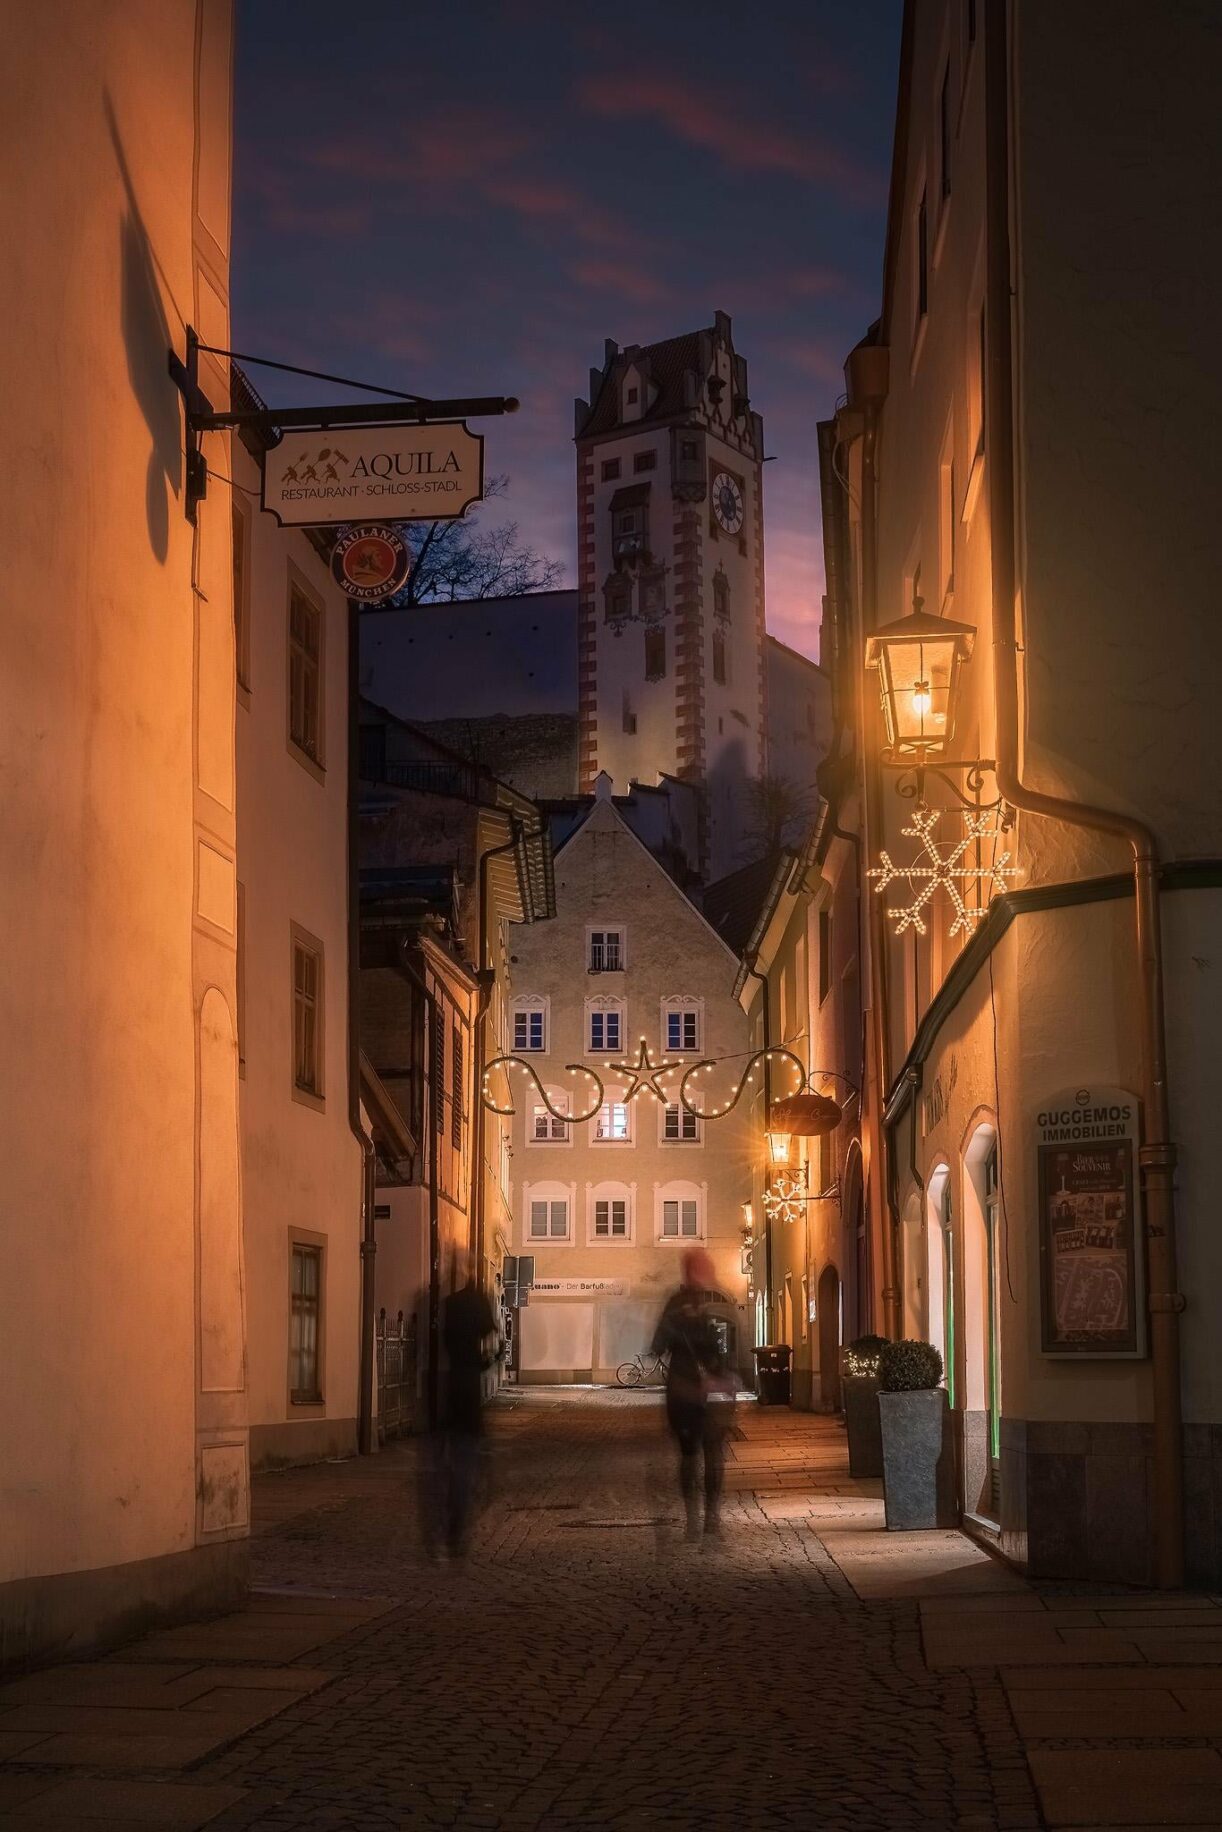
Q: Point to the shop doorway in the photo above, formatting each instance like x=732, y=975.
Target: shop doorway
x=827, y=1304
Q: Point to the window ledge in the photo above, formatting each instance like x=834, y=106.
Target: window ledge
x=972, y=494
x=308, y=1098
x=308, y=763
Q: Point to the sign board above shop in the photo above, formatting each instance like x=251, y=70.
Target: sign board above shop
x=1091, y=1260
x=365, y=474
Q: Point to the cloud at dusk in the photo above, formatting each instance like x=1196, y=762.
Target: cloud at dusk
x=470, y=200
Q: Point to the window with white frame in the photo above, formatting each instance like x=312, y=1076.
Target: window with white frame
x=614, y=1123
x=529, y=1030
x=610, y=1212
x=680, y=1212
x=548, y=1213
x=605, y=950
x=679, y=1127
x=604, y=1024
x=545, y=1127
x=681, y=1026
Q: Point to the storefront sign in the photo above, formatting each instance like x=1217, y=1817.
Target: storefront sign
x=1092, y=1292
x=371, y=563
x=373, y=473
x=581, y=1288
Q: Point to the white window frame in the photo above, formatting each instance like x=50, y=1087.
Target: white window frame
x=549, y=1192
x=597, y=1193
x=610, y=1102
x=682, y=1007
x=602, y=929
x=594, y=1007
x=693, y=1137
x=564, y=1136
x=680, y=1192
x=525, y=1005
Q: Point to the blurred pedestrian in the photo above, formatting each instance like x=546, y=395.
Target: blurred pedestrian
x=696, y=1372
x=469, y=1333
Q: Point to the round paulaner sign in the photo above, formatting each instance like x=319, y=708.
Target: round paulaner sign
x=371, y=563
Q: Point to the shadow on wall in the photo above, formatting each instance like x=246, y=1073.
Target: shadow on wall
x=147, y=339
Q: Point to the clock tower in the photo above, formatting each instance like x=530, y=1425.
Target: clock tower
x=671, y=578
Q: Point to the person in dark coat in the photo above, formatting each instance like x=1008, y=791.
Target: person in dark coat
x=469, y=1334
x=696, y=1370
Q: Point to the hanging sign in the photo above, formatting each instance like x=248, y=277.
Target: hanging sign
x=1092, y=1289
x=373, y=473
x=371, y=563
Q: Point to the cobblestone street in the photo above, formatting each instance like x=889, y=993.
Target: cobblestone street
x=587, y=1667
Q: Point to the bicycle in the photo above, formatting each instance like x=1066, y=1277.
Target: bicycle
x=641, y=1371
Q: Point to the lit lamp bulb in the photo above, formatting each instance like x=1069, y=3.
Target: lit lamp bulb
x=922, y=700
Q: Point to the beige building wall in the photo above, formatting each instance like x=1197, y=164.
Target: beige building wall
x=606, y=878
x=1119, y=672
x=302, y=1161
x=123, y=1464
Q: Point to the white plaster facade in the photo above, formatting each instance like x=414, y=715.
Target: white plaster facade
x=123, y=1455
x=669, y=962
x=301, y=1159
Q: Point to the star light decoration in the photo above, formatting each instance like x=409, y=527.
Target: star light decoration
x=644, y=1074
x=934, y=867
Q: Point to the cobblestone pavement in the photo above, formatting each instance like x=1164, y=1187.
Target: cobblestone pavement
x=586, y=1667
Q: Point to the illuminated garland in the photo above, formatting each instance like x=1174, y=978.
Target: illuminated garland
x=748, y=1075
x=519, y=1062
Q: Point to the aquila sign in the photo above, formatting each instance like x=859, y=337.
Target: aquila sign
x=373, y=473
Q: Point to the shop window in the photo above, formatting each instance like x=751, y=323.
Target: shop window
x=305, y=1324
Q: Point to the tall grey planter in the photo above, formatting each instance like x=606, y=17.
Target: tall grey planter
x=860, y=1393
x=918, y=1459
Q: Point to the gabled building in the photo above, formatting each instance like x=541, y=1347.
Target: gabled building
x=607, y=1192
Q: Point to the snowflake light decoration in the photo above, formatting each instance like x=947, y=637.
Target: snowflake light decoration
x=933, y=867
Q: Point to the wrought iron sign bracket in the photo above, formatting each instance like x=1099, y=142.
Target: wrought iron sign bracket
x=399, y=409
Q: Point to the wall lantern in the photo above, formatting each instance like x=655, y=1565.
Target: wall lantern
x=918, y=658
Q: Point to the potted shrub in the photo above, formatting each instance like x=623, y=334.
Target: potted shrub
x=918, y=1459
x=859, y=1388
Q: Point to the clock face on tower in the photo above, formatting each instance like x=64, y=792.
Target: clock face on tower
x=727, y=502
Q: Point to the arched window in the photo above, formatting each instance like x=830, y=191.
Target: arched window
x=528, y=1029
x=682, y=1026
x=547, y=1212
x=606, y=1026
x=679, y=1211
x=545, y=1128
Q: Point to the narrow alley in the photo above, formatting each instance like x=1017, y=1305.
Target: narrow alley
x=586, y=1667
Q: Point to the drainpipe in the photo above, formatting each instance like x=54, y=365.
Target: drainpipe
x=432, y=1376
x=755, y=974
x=487, y=980
x=1157, y=1155
x=868, y=391
x=369, y=1245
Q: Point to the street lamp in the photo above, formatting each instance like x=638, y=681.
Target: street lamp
x=918, y=658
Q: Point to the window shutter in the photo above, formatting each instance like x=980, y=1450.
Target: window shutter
x=437, y=1070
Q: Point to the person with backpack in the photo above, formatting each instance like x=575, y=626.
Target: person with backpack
x=696, y=1371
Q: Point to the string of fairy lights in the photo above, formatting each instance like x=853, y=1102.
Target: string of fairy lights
x=642, y=1077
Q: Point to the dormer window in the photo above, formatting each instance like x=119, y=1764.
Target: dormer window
x=632, y=396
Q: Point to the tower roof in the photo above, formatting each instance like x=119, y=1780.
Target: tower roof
x=669, y=362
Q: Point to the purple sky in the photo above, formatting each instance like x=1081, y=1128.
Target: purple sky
x=467, y=199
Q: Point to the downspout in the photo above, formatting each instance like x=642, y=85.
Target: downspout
x=1157, y=1155
x=487, y=979
x=755, y=974
x=369, y=1244
x=433, y=1367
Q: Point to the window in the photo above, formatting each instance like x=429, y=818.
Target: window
x=946, y=517
x=971, y=22
x=631, y=396
x=680, y=1025
x=549, y=1219
x=652, y=592
x=307, y=1015
x=922, y=259
x=612, y=1219
x=689, y=451
x=437, y=1069
x=645, y=461
x=630, y=523
x=679, y=1127
x=719, y=658
x=629, y=716
x=456, y=1089
x=530, y=1026
x=610, y=469
x=614, y=1123
x=655, y=655
x=825, y=954
x=721, y=596
x=305, y=675
x=680, y=1218
x=607, y=951
x=241, y=600
x=305, y=1318
x=944, y=132
x=617, y=598
x=606, y=1028
x=546, y=1129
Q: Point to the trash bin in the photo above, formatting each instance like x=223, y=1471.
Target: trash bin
x=772, y=1374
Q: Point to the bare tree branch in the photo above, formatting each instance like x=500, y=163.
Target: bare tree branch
x=461, y=559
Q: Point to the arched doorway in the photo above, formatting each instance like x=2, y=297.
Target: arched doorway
x=827, y=1304
x=982, y=1271
x=855, y=1246
x=913, y=1272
